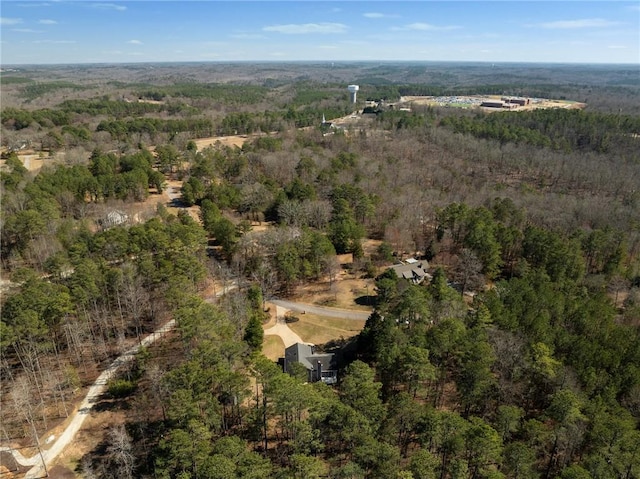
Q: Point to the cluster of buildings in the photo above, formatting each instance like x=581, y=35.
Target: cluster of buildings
x=506, y=102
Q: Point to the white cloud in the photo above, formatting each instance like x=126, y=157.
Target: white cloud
x=247, y=36
x=54, y=41
x=617, y=47
x=10, y=21
x=135, y=42
x=379, y=15
x=109, y=6
x=31, y=5
x=46, y=21
x=302, y=28
x=26, y=30
x=213, y=44
x=580, y=23
x=635, y=8
x=357, y=43
x=425, y=27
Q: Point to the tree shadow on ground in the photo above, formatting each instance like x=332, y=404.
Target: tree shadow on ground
x=366, y=300
x=178, y=203
x=106, y=402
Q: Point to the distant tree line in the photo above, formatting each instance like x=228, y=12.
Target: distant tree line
x=224, y=93
x=557, y=128
x=38, y=89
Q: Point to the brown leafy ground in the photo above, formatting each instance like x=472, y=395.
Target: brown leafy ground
x=89, y=437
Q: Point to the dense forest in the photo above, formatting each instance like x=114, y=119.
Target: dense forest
x=517, y=357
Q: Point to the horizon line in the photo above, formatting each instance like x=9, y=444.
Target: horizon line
x=327, y=62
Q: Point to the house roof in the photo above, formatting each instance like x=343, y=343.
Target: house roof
x=305, y=355
x=415, y=270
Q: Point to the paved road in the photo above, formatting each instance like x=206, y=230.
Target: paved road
x=322, y=310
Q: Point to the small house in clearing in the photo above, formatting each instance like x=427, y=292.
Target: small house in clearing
x=412, y=270
x=320, y=366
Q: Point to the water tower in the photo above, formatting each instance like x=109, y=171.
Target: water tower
x=353, y=90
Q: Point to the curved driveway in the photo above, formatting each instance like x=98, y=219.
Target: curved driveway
x=282, y=330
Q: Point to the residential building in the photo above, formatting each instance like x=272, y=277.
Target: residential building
x=319, y=366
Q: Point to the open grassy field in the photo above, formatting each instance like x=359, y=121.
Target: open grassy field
x=318, y=329
x=272, y=347
x=344, y=293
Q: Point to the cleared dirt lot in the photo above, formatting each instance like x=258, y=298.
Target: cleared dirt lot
x=235, y=140
x=473, y=101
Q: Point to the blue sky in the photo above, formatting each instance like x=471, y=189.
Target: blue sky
x=44, y=32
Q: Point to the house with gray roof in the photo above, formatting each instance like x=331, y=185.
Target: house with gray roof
x=412, y=270
x=320, y=366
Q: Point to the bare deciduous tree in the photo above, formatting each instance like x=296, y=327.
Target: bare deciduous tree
x=120, y=450
x=22, y=397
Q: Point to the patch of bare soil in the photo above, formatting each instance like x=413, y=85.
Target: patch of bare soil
x=261, y=226
x=234, y=140
x=31, y=160
x=61, y=472
x=541, y=103
x=370, y=246
x=151, y=102
x=34, y=160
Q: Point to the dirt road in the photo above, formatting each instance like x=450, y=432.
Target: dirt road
x=92, y=397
